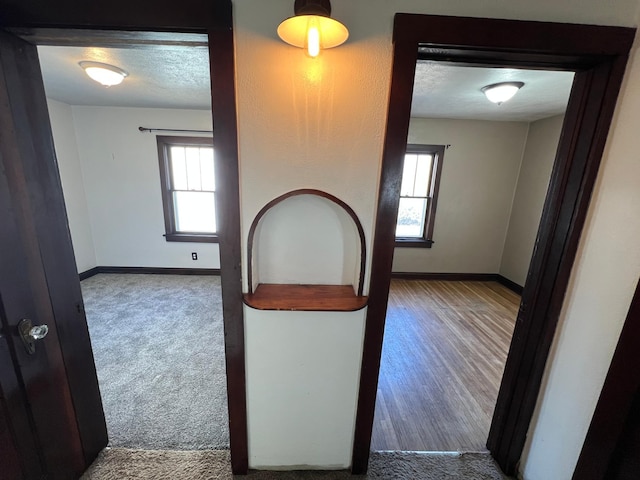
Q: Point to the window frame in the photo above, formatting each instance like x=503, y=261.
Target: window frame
x=426, y=240
x=171, y=234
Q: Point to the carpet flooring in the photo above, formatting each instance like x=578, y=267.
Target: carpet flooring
x=123, y=464
x=159, y=350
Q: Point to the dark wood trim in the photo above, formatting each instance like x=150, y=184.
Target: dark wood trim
x=191, y=237
x=319, y=193
x=511, y=285
x=383, y=245
x=149, y=271
x=192, y=16
x=225, y=137
x=109, y=38
x=621, y=388
x=413, y=243
x=599, y=55
x=89, y=273
x=461, y=277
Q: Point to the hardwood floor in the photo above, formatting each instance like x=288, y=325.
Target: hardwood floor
x=443, y=355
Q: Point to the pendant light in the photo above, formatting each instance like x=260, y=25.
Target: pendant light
x=312, y=27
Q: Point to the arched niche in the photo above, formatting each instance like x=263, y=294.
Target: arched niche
x=306, y=251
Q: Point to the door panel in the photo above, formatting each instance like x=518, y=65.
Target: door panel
x=10, y=458
x=15, y=429
x=39, y=280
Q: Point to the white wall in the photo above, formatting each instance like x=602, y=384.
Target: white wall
x=64, y=138
x=479, y=175
x=602, y=285
x=533, y=182
x=302, y=124
x=122, y=181
x=321, y=124
x=302, y=381
x=306, y=239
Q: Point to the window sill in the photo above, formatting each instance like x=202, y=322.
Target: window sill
x=414, y=242
x=191, y=237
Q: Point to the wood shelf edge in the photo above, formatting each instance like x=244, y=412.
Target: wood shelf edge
x=305, y=298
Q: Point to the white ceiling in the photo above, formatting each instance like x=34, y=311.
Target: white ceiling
x=446, y=91
x=178, y=77
x=159, y=76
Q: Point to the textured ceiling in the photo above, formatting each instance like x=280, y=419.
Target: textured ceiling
x=159, y=76
x=445, y=91
x=178, y=77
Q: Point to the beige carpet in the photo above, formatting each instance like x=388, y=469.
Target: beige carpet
x=125, y=464
x=158, y=344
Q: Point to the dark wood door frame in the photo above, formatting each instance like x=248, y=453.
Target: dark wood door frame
x=44, y=21
x=606, y=436
x=598, y=55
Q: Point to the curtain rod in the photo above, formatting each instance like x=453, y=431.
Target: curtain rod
x=145, y=129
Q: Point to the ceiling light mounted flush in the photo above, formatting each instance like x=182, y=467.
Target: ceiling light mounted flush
x=312, y=27
x=105, y=74
x=501, y=92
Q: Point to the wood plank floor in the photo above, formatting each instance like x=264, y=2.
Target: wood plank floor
x=443, y=355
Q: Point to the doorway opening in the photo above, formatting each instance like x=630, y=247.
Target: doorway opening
x=521, y=44
x=153, y=306
x=453, y=302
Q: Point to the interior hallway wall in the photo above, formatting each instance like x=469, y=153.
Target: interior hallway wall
x=64, y=137
x=479, y=175
x=528, y=202
x=321, y=125
x=122, y=182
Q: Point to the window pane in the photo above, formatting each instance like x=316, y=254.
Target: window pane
x=178, y=168
x=206, y=164
x=411, y=217
x=408, y=175
x=195, y=212
x=423, y=175
x=193, y=168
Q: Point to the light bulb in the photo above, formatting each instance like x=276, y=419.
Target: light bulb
x=313, y=40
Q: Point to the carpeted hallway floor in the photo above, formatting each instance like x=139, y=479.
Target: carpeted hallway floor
x=122, y=464
x=159, y=352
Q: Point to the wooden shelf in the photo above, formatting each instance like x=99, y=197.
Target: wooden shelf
x=320, y=298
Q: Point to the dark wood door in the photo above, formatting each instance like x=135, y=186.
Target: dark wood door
x=50, y=398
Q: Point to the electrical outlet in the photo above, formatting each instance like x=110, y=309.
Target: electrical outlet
x=194, y=255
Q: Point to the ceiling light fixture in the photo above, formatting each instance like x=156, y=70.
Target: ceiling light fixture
x=107, y=75
x=312, y=27
x=501, y=92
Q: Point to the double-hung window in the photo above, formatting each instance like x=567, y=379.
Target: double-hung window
x=188, y=188
x=419, y=195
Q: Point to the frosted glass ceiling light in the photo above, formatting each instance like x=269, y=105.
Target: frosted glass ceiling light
x=107, y=75
x=501, y=92
x=312, y=27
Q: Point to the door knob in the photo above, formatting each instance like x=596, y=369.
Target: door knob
x=29, y=333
